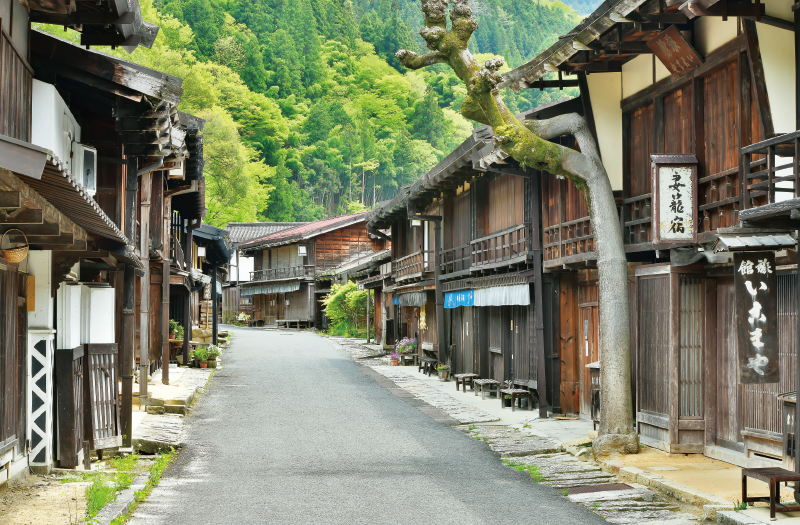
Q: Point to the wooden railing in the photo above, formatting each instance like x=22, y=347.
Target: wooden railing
x=568, y=239
x=287, y=272
x=638, y=219
x=761, y=186
x=455, y=259
x=414, y=265
x=506, y=246
x=176, y=252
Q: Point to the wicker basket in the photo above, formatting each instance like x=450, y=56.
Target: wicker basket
x=14, y=255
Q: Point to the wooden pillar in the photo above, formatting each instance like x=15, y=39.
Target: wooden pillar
x=165, y=323
x=126, y=351
x=214, y=300
x=187, y=307
x=368, y=294
x=144, y=311
x=443, y=356
x=538, y=319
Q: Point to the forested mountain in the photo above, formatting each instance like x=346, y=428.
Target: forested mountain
x=308, y=112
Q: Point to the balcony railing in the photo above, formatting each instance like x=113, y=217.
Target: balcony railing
x=176, y=253
x=455, y=260
x=414, y=265
x=503, y=247
x=287, y=272
x=568, y=239
x=762, y=186
x=638, y=219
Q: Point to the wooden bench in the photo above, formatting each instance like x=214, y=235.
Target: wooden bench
x=465, y=379
x=408, y=357
x=427, y=365
x=772, y=476
x=483, y=384
x=516, y=394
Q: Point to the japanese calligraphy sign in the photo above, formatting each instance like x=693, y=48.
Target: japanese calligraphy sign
x=755, y=285
x=672, y=49
x=674, y=199
x=462, y=298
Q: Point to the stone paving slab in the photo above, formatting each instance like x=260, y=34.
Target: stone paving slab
x=157, y=433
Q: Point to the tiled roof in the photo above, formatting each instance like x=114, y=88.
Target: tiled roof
x=307, y=230
x=241, y=232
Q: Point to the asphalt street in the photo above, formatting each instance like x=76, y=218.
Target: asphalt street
x=292, y=431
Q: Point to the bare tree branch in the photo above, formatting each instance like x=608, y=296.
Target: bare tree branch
x=411, y=60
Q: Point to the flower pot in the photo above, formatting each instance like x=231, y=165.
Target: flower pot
x=212, y=358
x=394, y=362
x=444, y=375
x=195, y=363
x=507, y=402
x=203, y=364
x=171, y=335
x=179, y=359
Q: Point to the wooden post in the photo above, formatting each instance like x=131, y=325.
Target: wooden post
x=144, y=311
x=187, y=307
x=538, y=319
x=126, y=354
x=439, y=293
x=165, y=323
x=368, y=294
x=214, y=326
x=797, y=371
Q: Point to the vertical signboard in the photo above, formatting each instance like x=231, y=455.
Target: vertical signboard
x=755, y=286
x=675, y=199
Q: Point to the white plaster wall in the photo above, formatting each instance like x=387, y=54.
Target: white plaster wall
x=711, y=33
x=97, y=315
x=68, y=313
x=605, y=92
x=661, y=71
x=777, y=53
x=779, y=9
x=637, y=74
x=40, y=265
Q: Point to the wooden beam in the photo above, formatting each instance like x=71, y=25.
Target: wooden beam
x=64, y=238
x=80, y=18
x=110, y=40
x=724, y=9
x=21, y=216
x=46, y=228
x=77, y=246
x=63, y=70
x=10, y=199
x=759, y=77
x=586, y=104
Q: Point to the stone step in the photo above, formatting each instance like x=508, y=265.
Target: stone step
x=633, y=505
x=613, y=495
x=635, y=517
x=586, y=480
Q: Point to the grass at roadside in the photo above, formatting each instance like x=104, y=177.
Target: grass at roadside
x=162, y=462
x=533, y=470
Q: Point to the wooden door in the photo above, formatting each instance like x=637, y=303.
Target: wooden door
x=467, y=338
x=729, y=392
x=523, y=356
x=101, y=414
x=496, y=347
x=589, y=352
x=455, y=337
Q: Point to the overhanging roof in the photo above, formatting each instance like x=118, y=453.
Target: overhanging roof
x=733, y=243
x=305, y=231
x=242, y=232
x=216, y=241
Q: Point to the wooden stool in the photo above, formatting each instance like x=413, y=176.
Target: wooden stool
x=483, y=384
x=517, y=394
x=426, y=365
x=465, y=379
x=772, y=476
x=408, y=357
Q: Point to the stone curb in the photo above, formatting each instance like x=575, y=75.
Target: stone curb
x=123, y=503
x=729, y=517
x=712, y=505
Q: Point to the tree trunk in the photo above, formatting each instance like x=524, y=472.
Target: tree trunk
x=527, y=142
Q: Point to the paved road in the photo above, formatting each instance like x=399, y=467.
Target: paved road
x=292, y=431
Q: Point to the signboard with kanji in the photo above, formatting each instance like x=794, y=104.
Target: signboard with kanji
x=674, y=198
x=675, y=52
x=755, y=286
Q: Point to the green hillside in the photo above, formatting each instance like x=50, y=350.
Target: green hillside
x=309, y=114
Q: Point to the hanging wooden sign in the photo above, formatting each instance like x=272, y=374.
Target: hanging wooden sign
x=756, y=286
x=674, y=198
x=672, y=49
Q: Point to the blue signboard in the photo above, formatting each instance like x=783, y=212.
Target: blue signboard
x=395, y=299
x=462, y=298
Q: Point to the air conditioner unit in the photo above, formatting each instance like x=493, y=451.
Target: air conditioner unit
x=84, y=162
x=52, y=124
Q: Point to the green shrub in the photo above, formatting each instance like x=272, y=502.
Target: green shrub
x=346, y=306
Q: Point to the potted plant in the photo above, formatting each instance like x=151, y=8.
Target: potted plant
x=394, y=358
x=406, y=345
x=242, y=319
x=213, y=352
x=173, y=324
x=201, y=354
x=444, y=372
x=179, y=332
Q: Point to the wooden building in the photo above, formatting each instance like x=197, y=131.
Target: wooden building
x=289, y=264
x=699, y=91
x=94, y=162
